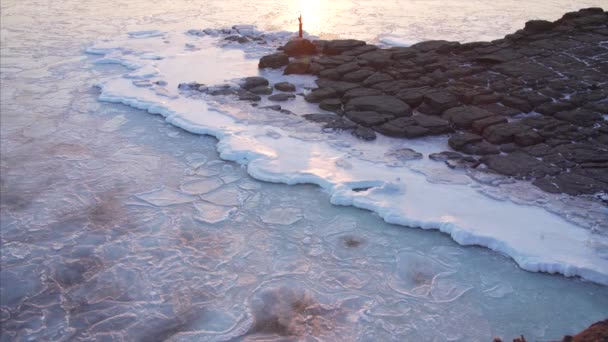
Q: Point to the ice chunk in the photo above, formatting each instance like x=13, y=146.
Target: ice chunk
x=113, y=124
x=212, y=213
x=165, y=197
x=228, y=195
x=282, y=216
x=145, y=34
x=201, y=186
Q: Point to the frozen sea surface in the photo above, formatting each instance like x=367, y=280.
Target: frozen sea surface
x=117, y=225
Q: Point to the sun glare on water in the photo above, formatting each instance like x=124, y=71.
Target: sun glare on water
x=313, y=14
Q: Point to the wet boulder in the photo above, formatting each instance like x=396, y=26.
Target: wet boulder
x=299, y=67
x=253, y=82
x=261, y=90
x=299, y=47
x=383, y=104
x=331, y=105
x=285, y=86
x=274, y=61
x=368, y=118
x=519, y=165
x=364, y=133
x=320, y=94
x=281, y=97
x=338, y=46
x=464, y=116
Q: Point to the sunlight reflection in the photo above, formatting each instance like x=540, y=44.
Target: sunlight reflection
x=313, y=12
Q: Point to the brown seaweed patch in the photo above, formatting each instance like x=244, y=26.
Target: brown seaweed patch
x=352, y=241
x=289, y=312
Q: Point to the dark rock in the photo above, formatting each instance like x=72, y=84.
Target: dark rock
x=364, y=133
x=571, y=184
x=299, y=67
x=252, y=82
x=247, y=96
x=368, y=118
x=481, y=148
x=519, y=165
x=583, y=153
x=527, y=138
x=404, y=154
x=238, y=39
x=331, y=121
x=464, y=116
x=377, y=77
x=331, y=105
x=357, y=76
x=381, y=104
x=551, y=108
x=516, y=102
x=500, y=109
x=320, y=94
x=261, y=90
x=441, y=46
x=377, y=58
x=340, y=87
x=299, y=47
x=433, y=124
x=276, y=108
x=536, y=26
x=440, y=100
x=445, y=155
x=330, y=74
x=539, y=150
x=285, y=86
x=481, y=124
x=281, y=97
x=503, y=133
x=360, y=50
x=412, y=96
x=360, y=92
x=274, y=61
x=336, y=47
x=581, y=117
x=459, y=140
x=414, y=127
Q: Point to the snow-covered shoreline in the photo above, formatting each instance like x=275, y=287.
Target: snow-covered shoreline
x=291, y=152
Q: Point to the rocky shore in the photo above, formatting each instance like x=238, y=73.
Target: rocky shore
x=533, y=105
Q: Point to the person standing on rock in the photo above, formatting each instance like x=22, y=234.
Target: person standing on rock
x=300, y=31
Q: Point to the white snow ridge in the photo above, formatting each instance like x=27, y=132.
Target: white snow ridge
x=283, y=148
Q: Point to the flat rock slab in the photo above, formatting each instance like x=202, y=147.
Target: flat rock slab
x=382, y=104
x=533, y=104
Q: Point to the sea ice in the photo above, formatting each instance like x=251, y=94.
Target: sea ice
x=300, y=152
x=212, y=213
x=165, y=196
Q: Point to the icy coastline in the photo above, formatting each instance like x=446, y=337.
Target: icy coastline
x=287, y=149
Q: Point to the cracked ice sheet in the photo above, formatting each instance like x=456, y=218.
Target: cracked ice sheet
x=295, y=153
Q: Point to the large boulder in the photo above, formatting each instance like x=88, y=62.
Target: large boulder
x=368, y=118
x=299, y=47
x=415, y=126
x=440, y=100
x=299, y=67
x=274, y=61
x=285, y=86
x=383, y=104
x=571, y=184
x=464, y=116
x=320, y=94
x=519, y=165
x=254, y=82
x=336, y=47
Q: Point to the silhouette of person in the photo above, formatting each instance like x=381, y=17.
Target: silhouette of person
x=300, y=20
